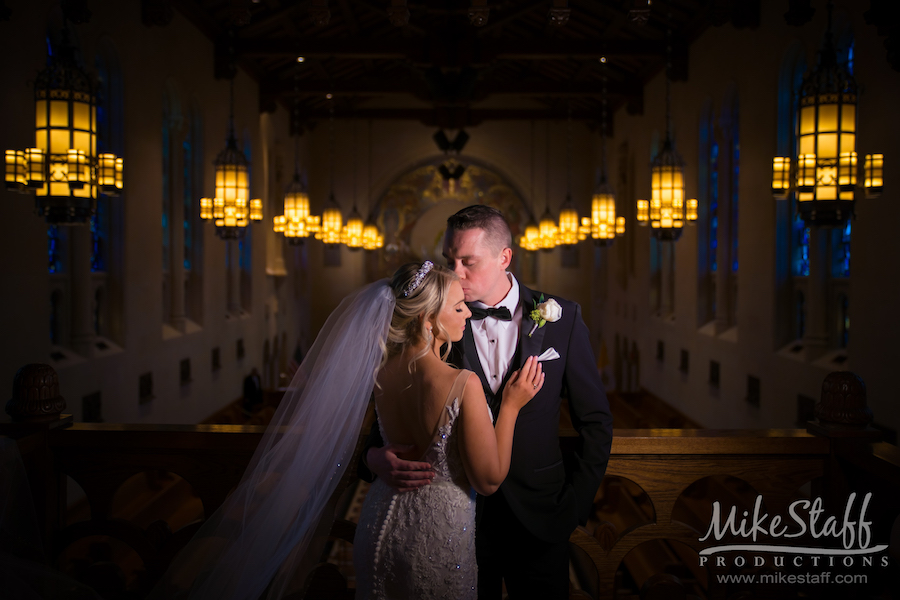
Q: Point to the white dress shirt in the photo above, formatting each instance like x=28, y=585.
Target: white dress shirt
x=496, y=340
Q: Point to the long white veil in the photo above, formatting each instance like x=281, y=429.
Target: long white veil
x=259, y=535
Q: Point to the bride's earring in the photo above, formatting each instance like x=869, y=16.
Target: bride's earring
x=428, y=337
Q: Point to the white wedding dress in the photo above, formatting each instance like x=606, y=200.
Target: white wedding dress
x=421, y=544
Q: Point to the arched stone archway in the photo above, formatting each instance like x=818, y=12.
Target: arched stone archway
x=412, y=212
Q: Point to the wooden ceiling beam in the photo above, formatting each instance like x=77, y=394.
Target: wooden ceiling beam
x=380, y=86
x=460, y=53
x=450, y=117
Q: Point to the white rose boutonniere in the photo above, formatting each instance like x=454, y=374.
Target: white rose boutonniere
x=544, y=312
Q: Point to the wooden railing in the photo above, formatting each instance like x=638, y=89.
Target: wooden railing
x=663, y=515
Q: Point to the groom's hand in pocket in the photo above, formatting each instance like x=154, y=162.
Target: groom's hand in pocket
x=402, y=475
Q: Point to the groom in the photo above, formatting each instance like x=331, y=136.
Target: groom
x=523, y=529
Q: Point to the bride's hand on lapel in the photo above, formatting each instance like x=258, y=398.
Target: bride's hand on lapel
x=523, y=384
x=402, y=475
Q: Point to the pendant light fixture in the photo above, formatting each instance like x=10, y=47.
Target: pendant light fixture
x=529, y=239
x=231, y=209
x=547, y=228
x=604, y=224
x=568, y=230
x=667, y=211
x=825, y=173
x=373, y=239
x=332, y=219
x=352, y=233
x=63, y=169
x=296, y=223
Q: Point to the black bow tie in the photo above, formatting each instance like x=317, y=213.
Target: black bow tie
x=501, y=314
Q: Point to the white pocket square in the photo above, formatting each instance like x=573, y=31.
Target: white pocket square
x=548, y=354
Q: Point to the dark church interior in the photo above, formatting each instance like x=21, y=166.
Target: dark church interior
x=193, y=186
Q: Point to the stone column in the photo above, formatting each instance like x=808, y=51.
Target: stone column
x=83, y=335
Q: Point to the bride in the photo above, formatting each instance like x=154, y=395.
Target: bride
x=421, y=544
x=385, y=337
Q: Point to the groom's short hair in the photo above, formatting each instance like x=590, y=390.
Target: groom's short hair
x=486, y=218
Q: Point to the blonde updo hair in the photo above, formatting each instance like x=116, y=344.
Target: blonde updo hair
x=423, y=304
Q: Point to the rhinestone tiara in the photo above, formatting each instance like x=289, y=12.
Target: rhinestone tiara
x=417, y=280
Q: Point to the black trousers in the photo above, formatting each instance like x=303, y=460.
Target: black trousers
x=506, y=550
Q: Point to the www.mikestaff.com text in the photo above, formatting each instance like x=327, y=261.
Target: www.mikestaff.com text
x=826, y=577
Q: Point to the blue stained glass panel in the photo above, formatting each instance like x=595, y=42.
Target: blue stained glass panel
x=843, y=258
x=188, y=201
x=99, y=235
x=165, y=197
x=713, y=206
x=850, y=57
x=245, y=245
x=736, y=161
x=54, y=252
x=801, y=247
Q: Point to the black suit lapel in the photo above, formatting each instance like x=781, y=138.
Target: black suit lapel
x=473, y=362
x=528, y=346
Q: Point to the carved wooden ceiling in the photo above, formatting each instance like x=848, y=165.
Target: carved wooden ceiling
x=452, y=63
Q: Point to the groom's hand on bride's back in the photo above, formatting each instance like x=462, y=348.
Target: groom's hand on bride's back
x=403, y=475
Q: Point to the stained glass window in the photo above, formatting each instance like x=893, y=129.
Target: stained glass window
x=99, y=236
x=849, y=60
x=841, y=253
x=735, y=172
x=165, y=195
x=713, y=205
x=244, y=247
x=54, y=250
x=801, y=247
x=188, y=194
x=100, y=219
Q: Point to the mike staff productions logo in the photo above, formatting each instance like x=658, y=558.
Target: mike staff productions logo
x=805, y=546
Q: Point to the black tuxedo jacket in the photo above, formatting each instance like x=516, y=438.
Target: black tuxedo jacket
x=548, y=497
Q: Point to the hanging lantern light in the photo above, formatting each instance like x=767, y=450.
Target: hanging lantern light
x=64, y=169
x=603, y=224
x=352, y=232
x=548, y=232
x=231, y=209
x=667, y=211
x=569, y=223
x=373, y=239
x=529, y=239
x=332, y=223
x=296, y=223
x=826, y=170
x=568, y=232
x=332, y=219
